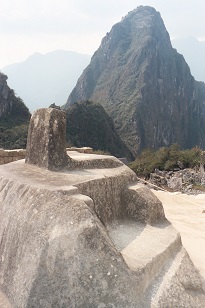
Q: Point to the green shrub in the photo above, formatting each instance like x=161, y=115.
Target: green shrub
x=166, y=159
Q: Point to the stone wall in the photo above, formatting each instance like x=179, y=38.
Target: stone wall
x=86, y=150
x=7, y=156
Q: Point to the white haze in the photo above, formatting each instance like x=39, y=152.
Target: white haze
x=78, y=25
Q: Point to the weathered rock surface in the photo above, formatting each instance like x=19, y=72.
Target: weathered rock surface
x=69, y=239
x=46, y=145
x=144, y=85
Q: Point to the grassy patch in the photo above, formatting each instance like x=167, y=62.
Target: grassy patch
x=166, y=159
x=198, y=187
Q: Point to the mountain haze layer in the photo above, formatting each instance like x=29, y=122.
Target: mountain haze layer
x=194, y=53
x=145, y=85
x=45, y=79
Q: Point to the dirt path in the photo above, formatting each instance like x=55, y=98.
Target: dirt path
x=185, y=212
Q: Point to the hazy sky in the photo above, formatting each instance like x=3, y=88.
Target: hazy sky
x=28, y=26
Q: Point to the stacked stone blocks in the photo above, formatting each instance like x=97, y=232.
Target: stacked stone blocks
x=8, y=156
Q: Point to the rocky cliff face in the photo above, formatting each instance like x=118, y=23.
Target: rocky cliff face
x=10, y=104
x=5, y=103
x=144, y=85
x=14, y=117
x=89, y=125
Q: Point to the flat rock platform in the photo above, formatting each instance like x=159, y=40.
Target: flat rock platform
x=89, y=235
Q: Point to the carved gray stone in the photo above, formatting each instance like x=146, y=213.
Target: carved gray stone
x=90, y=236
x=46, y=145
x=142, y=205
x=65, y=243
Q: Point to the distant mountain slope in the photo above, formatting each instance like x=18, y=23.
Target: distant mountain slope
x=14, y=118
x=144, y=85
x=45, y=79
x=194, y=53
x=89, y=125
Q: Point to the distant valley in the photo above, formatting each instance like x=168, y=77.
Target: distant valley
x=45, y=79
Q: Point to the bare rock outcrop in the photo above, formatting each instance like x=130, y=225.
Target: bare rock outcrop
x=46, y=144
x=9, y=102
x=89, y=237
x=189, y=181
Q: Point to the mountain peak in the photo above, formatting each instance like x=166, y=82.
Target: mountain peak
x=144, y=85
x=143, y=10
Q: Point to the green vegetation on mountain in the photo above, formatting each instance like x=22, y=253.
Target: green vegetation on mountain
x=14, y=118
x=144, y=85
x=89, y=125
x=166, y=159
x=14, y=137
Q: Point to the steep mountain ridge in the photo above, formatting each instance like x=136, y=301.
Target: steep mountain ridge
x=89, y=125
x=14, y=117
x=194, y=54
x=144, y=85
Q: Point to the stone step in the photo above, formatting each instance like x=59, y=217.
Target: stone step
x=142, y=205
x=179, y=281
x=149, y=252
x=153, y=245
x=163, y=267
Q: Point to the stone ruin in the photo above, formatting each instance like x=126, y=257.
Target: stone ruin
x=46, y=145
x=185, y=180
x=86, y=236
